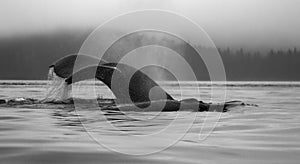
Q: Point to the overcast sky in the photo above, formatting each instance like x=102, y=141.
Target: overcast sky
x=250, y=24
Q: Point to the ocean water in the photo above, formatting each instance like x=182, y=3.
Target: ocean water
x=58, y=133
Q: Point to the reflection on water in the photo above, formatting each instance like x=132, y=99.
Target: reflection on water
x=265, y=134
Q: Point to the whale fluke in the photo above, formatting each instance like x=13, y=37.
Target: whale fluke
x=64, y=66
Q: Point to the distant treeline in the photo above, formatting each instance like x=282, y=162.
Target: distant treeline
x=274, y=65
x=29, y=58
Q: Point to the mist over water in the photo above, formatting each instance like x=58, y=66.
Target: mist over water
x=37, y=33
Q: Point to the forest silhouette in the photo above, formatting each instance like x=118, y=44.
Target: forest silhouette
x=28, y=58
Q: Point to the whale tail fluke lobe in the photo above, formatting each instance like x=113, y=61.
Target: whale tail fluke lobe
x=65, y=66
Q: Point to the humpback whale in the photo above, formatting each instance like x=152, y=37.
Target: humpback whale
x=141, y=92
x=139, y=83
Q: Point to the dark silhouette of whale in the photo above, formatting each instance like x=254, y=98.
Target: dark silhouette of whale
x=139, y=87
x=141, y=91
x=127, y=83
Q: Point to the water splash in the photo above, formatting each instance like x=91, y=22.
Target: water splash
x=57, y=88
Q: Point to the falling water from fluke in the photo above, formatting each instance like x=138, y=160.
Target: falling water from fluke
x=57, y=89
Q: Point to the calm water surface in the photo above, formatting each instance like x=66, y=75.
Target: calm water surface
x=58, y=134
